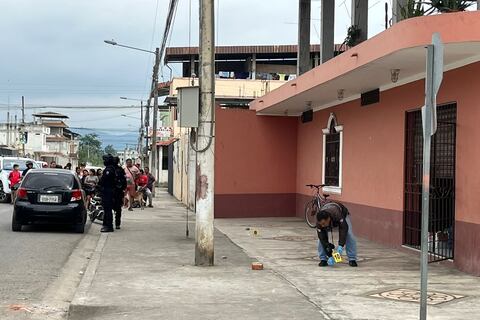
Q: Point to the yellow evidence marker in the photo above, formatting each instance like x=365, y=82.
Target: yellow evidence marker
x=336, y=256
x=254, y=232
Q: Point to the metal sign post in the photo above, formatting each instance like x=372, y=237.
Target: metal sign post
x=433, y=81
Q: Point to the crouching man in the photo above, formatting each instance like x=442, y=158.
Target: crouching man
x=330, y=216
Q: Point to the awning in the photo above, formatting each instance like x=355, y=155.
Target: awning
x=166, y=142
x=368, y=65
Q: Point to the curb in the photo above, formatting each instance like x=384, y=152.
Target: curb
x=78, y=308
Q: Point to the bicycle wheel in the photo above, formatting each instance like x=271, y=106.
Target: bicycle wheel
x=311, y=209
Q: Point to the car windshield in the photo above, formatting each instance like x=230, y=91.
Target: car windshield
x=9, y=163
x=48, y=180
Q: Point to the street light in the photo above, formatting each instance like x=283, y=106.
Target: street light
x=114, y=43
x=155, y=97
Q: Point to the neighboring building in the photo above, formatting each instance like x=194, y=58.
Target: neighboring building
x=47, y=139
x=35, y=138
x=367, y=151
x=61, y=143
x=267, y=62
x=128, y=153
x=243, y=74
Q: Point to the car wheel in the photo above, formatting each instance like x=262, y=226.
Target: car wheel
x=80, y=228
x=4, y=198
x=15, y=225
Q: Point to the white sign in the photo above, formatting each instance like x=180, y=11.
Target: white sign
x=162, y=132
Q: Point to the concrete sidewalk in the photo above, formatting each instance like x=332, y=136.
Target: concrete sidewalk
x=145, y=271
x=382, y=287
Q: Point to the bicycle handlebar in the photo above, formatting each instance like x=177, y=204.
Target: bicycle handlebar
x=318, y=186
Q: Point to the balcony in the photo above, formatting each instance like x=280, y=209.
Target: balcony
x=229, y=89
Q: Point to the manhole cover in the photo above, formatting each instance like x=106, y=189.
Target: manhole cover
x=408, y=295
x=294, y=238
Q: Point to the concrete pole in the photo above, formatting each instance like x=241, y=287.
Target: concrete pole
x=8, y=128
x=140, y=142
x=155, y=115
x=23, y=126
x=327, y=30
x=360, y=18
x=303, y=52
x=147, y=125
x=254, y=66
x=397, y=5
x=204, y=252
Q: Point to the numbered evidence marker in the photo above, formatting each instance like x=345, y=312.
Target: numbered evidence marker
x=254, y=232
x=337, y=257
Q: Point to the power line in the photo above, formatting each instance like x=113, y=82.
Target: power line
x=42, y=106
x=103, y=129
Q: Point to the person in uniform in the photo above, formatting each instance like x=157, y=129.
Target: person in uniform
x=119, y=192
x=107, y=185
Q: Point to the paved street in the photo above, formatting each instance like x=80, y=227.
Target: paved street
x=30, y=262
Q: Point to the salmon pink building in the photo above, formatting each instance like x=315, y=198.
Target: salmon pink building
x=354, y=124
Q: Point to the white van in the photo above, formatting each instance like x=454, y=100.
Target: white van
x=6, y=166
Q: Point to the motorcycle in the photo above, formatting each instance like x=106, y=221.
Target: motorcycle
x=95, y=208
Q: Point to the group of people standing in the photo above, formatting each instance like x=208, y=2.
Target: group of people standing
x=120, y=186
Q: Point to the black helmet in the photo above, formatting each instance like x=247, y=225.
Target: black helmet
x=29, y=163
x=108, y=159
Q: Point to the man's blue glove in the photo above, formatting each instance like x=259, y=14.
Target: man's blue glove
x=330, y=261
x=340, y=250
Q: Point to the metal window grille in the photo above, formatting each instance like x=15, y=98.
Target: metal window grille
x=332, y=157
x=442, y=180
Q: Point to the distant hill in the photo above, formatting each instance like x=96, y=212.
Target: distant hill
x=118, y=140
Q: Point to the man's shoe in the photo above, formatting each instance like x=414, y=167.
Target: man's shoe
x=352, y=263
x=150, y=206
x=323, y=263
x=130, y=209
x=117, y=227
x=106, y=229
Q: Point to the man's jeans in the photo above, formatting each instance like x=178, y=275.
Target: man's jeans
x=148, y=192
x=351, y=244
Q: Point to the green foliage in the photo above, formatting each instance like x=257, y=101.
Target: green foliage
x=110, y=150
x=450, y=5
x=90, y=150
x=417, y=8
x=412, y=9
x=353, y=34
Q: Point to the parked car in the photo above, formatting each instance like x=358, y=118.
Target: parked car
x=6, y=166
x=42, y=164
x=52, y=196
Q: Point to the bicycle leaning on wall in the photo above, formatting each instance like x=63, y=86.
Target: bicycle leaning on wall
x=314, y=205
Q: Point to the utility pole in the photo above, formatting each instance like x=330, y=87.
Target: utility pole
x=204, y=252
x=155, y=114
x=147, y=127
x=8, y=128
x=140, y=142
x=23, y=126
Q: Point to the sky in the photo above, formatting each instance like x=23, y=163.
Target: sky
x=52, y=51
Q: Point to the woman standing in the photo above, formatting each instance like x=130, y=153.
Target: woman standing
x=90, y=183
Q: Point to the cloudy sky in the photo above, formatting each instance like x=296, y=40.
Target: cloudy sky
x=52, y=51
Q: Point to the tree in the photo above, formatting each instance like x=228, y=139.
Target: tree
x=90, y=149
x=110, y=150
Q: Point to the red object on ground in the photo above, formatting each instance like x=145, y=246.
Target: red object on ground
x=257, y=266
